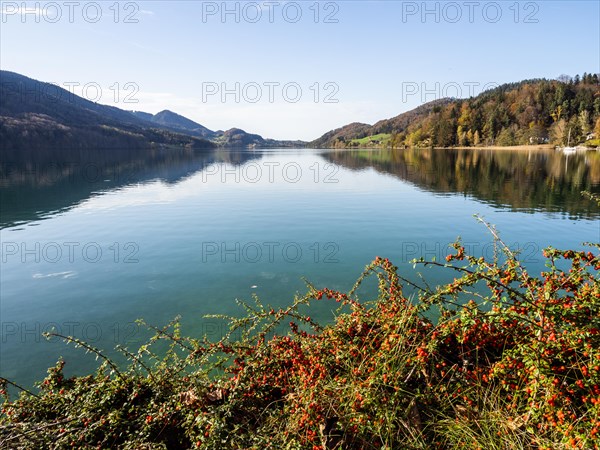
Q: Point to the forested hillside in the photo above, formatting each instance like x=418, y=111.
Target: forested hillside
x=529, y=112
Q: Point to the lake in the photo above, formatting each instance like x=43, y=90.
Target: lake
x=92, y=241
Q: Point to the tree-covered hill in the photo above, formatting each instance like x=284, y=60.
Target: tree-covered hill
x=528, y=112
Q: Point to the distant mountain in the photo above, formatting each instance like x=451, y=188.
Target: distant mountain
x=239, y=138
x=143, y=115
x=34, y=114
x=176, y=122
x=234, y=137
x=528, y=112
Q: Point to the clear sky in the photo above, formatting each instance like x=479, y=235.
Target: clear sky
x=294, y=70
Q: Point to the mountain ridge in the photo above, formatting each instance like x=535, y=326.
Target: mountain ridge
x=177, y=122
x=39, y=114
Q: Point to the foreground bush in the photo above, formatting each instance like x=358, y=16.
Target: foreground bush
x=512, y=362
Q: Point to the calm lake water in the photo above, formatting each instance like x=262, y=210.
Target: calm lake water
x=93, y=241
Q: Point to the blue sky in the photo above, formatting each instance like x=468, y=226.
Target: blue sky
x=324, y=64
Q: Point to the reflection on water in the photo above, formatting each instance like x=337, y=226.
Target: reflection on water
x=38, y=185
x=547, y=181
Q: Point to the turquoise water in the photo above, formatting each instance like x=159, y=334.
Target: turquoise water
x=91, y=242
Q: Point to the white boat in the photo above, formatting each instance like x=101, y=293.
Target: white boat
x=568, y=149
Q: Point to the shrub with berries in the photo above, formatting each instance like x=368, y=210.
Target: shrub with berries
x=511, y=360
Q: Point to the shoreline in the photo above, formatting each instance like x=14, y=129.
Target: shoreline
x=498, y=147
x=540, y=147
